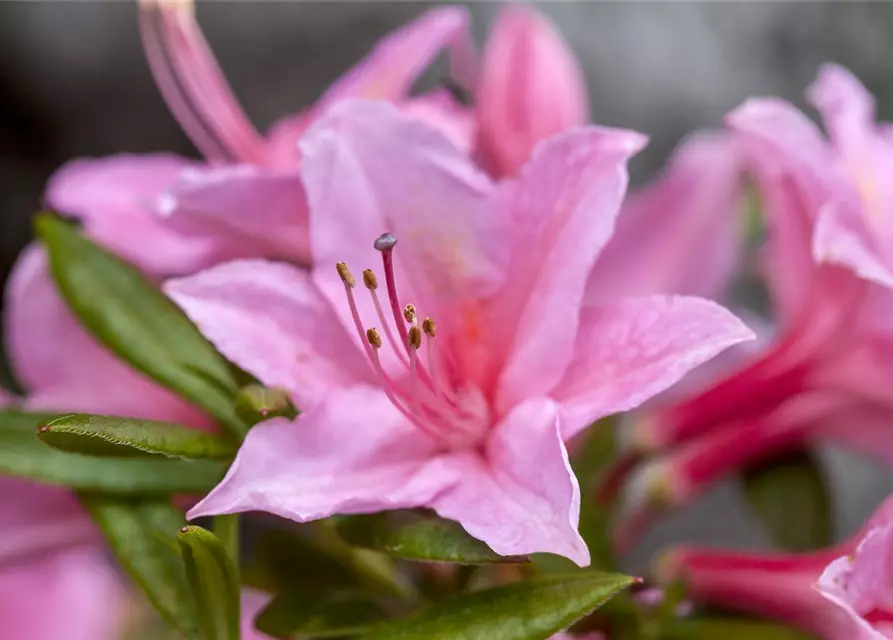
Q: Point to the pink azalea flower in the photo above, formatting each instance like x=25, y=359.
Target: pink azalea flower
x=840, y=593
x=827, y=374
x=467, y=415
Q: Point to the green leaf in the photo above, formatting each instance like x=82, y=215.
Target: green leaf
x=418, y=535
x=23, y=455
x=311, y=555
x=114, y=436
x=530, y=610
x=143, y=535
x=314, y=614
x=214, y=581
x=730, y=629
x=131, y=317
x=790, y=496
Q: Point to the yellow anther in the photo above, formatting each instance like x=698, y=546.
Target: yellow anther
x=370, y=280
x=346, y=276
x=409, y=313
x=429, y=327
x=373, y=337
x=414, y=337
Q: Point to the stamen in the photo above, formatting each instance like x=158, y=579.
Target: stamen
x=349, y=283
x=370, y=280
x=414, y=339
x=429, y=327
x=373, y=337
x=416, y=419
x=385, y=243
x=409, y=313
x=346, y=276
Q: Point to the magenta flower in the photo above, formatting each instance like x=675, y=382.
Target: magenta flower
x=827, y=374
x=840, y=593
x=465, y=414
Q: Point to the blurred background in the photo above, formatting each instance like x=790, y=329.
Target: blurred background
x=73, y=82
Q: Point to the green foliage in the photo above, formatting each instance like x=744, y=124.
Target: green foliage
x=121, y=437
x=790, y=496
x=418, y=535
x=214, y=581
x=23, y=455
x=533, y=609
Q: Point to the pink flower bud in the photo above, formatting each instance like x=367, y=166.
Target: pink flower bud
x=531, y=87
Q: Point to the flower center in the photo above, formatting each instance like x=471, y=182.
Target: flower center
x=455, y=416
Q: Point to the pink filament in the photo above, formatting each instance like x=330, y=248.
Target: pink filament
x=427, y=403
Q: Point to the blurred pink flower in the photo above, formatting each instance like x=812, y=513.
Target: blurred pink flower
x=828, y=373
x=522, y=360
x=840, y=593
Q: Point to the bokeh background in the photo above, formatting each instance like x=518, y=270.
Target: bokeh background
x=73, y=83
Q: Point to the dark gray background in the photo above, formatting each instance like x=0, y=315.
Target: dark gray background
x=73, y=83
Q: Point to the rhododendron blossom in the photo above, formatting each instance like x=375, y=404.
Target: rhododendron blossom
x=826, y=376
x=451, y=377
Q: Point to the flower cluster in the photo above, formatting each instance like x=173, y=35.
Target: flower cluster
x=408, y=325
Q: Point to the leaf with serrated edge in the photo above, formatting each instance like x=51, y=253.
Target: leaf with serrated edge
x=23, y=455
x=114, y=436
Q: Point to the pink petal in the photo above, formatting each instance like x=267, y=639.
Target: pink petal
x=252, y=604
x=522, y=496
x=115, y=197
x=39, y=520
x=242, y=210
x=847, y=108
x=397, y=61
x=793, y=167
x=353, y=452
x=64, y=368
x=680, y=234
x=367, y=170
x=270, y=320
x=866, y=153
x=632, y=349
x=439, y=109
x=76, y=596
x=531, y=87
x=860, y=584
x=842, y=236
x=563, y=210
